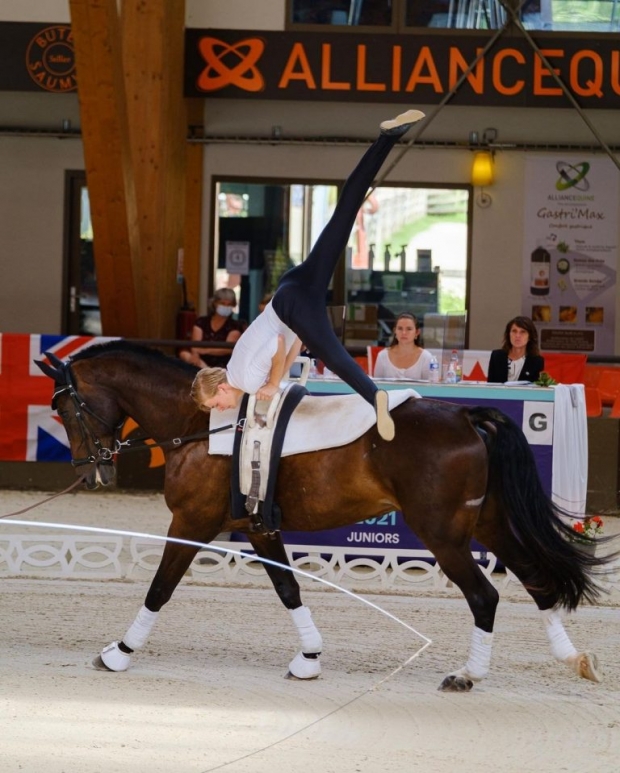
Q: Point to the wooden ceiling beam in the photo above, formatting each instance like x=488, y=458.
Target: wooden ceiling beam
x=153, y=56
x=134, y=127
x=101, y=92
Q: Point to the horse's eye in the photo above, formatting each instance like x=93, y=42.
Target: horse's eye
x=62, y=414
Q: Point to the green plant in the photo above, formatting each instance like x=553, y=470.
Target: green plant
x=545, y=380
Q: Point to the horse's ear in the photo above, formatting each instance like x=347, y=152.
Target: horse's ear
x=49, y=371
x=58, y=363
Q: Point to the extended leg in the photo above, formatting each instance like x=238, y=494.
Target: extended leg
x=300, y=299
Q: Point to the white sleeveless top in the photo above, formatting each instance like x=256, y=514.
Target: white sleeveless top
x=384, y=368
x=250, y=364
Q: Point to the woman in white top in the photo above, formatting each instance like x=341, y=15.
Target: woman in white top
x=404, y=358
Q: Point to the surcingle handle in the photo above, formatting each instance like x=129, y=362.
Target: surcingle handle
x=252, y=500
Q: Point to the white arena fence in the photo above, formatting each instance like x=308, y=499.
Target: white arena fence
x=112, y=557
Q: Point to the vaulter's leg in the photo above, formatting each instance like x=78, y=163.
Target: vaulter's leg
x=318, y=268
x=300, y=299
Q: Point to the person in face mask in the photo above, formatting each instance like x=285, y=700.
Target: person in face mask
x=217, y=325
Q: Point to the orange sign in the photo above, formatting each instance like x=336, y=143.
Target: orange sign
x=242, y=73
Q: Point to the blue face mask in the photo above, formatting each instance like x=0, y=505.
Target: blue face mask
x=224, y=311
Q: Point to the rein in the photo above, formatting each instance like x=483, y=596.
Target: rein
x=125, y=446
x=75, y=483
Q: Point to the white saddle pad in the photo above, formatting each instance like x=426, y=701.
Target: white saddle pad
x=317, y=423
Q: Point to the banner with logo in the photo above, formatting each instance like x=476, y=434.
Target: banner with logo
x=571, y=252
x=370, y=67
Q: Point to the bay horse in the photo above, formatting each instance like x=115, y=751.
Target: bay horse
x=475, y=477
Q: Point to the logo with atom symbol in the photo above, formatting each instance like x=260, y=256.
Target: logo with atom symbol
x=572, y=176
x=231, y=65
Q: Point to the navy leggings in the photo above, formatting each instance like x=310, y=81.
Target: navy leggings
x=300, y=300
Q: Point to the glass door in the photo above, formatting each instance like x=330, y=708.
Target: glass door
x=81, y=313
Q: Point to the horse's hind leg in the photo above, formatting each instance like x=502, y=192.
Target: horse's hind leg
x=459, y=566
x=497, y=538
x=306, y=664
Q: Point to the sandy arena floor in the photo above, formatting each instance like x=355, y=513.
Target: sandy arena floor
x=208, y=693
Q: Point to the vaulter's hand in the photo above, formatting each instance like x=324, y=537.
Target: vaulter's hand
x=267, y=391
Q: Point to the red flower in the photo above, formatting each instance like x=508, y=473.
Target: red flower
x=578, y=526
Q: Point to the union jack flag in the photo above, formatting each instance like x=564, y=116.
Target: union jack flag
x=29, y=429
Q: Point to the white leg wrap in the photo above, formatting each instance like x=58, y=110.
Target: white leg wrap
x=311, y=641
x=114, y=658
x=138, y=632
x=561, y=646
x=477, y=667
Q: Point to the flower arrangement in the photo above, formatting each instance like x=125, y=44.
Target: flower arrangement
x=590, y=528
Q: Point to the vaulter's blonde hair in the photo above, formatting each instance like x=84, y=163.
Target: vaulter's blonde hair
x=205, y=385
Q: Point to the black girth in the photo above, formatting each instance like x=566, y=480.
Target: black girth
x=268, y=517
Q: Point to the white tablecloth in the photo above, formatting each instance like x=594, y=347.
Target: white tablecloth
x=570, y=449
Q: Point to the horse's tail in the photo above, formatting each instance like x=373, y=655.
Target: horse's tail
x=557, y=567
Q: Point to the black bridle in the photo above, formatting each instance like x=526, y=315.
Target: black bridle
x=89, y=437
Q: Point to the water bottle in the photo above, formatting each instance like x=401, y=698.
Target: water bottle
x=433, y=375
x=451, y=375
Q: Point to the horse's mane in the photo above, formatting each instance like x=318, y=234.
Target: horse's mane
x=137, y=350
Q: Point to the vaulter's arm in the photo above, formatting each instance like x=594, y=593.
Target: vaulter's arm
x=280, y=365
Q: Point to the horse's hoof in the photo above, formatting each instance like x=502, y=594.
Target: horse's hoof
x=114, y=659
x=99, y=664
x=586, y=666
x=454, y=683
x=301, y=667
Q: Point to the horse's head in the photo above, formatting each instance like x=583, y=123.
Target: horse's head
x=91, y=417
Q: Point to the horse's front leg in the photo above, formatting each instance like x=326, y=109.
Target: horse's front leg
x=174, y=563
x=306, y=664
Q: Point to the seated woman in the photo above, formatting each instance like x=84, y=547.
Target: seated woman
x=519, y=359
x=217, y=325
x=404, y=358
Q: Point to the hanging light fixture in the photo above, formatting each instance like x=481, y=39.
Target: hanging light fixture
x=483, y=166
x=482, y=169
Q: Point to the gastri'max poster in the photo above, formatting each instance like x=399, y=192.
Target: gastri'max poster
x=571, y=252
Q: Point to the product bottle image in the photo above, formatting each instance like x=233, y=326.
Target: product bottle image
x=540, y=263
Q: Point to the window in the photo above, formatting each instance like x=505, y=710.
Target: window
x=347, y=13
x=407, y=15
x=408, y=250
x=554, y=15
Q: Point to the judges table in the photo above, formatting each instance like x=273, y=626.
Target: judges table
x=553, y=420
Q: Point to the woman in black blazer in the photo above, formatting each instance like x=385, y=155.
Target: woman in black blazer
x=519, y=359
